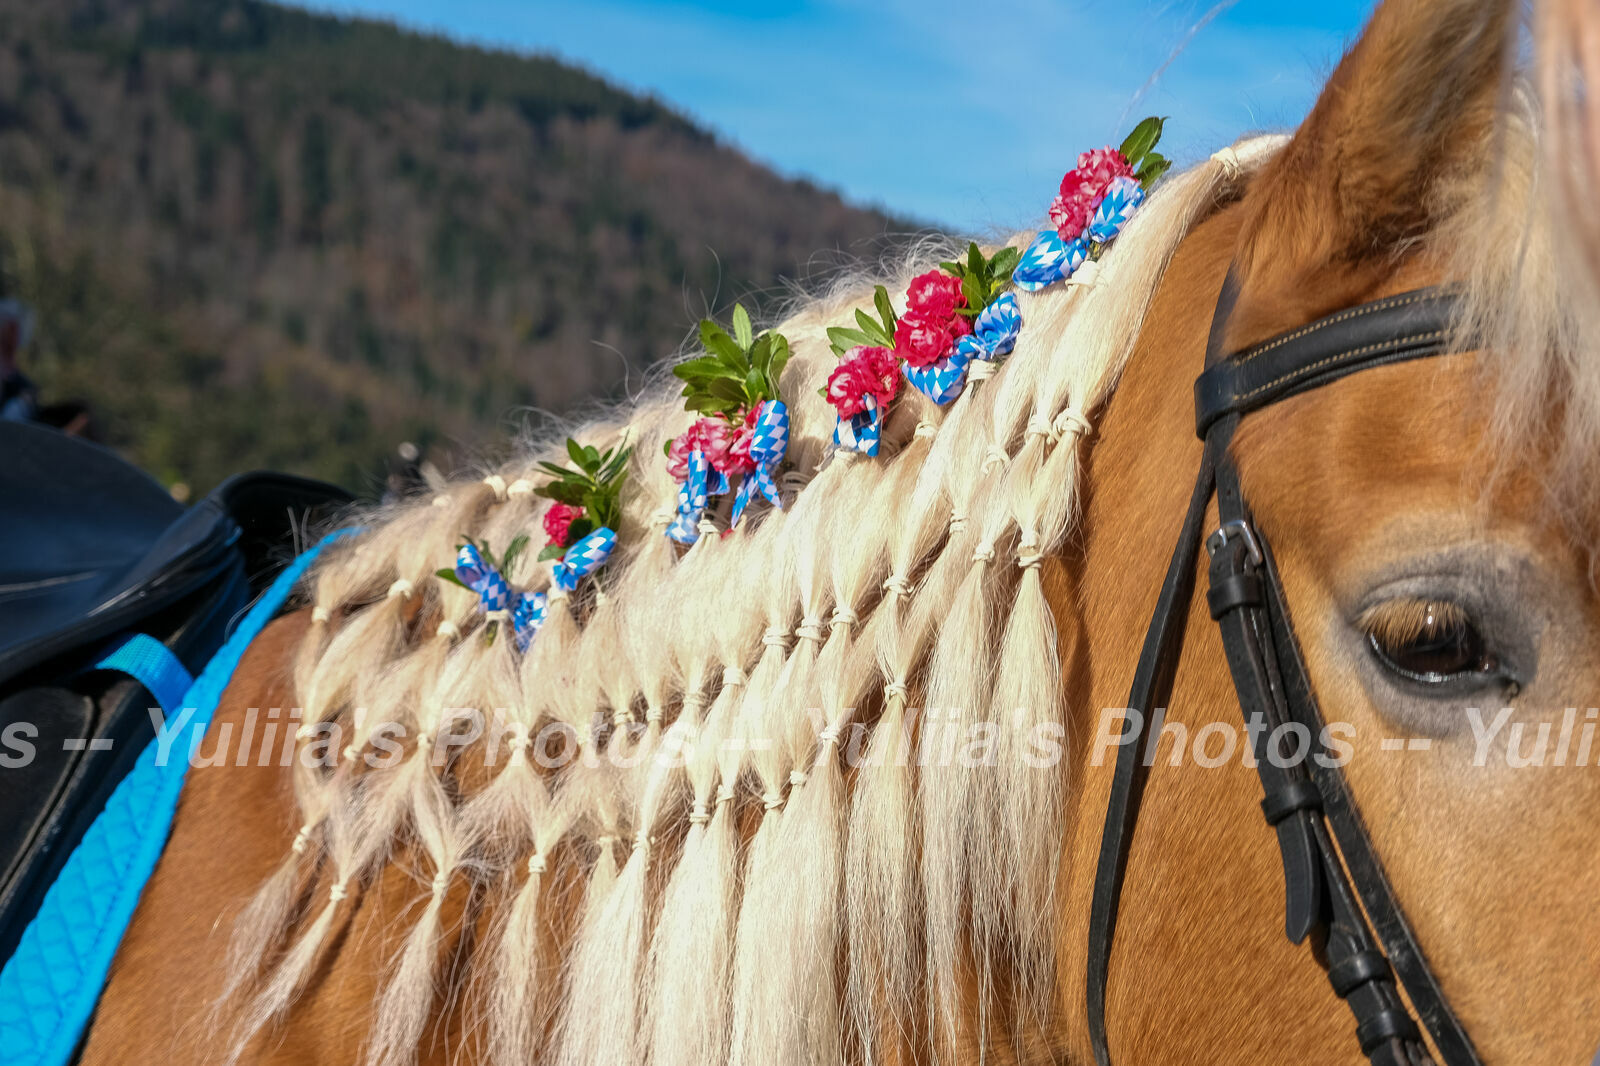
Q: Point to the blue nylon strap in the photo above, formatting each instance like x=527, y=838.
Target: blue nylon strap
x=50, y=985
x=152, y=664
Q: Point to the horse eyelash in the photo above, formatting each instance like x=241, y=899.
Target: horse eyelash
x=1396, y=623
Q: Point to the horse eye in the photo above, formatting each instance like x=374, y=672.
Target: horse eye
x=1428, y=641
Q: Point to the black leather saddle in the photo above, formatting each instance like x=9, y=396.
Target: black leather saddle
x=92, y=549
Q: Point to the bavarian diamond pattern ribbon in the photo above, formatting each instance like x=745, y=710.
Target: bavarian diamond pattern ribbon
x=943, y=381
x=527, y=617
x=861, y=432
x=1049, y=259
x=584, y=558
x=1122, y=199
x=994, y=331
x=493, y=591
x=693, y=496
x=769, y=443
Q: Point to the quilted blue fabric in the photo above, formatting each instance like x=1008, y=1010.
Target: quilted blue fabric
x=50, y=985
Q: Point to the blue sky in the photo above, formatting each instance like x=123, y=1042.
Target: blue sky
x=959, y=114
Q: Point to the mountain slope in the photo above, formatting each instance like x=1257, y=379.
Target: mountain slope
x=262, y=237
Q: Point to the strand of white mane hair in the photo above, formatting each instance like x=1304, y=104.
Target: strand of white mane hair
x=760, y=663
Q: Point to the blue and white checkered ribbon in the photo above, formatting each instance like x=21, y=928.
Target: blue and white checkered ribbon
x=527, y=617
x=862, y=431
x=943, y=381
x=769, y=443
x=994, y=331
x=1122, y=199
x=1049, y=259
x=693, y=496
x=584, y=558
x=493, y=591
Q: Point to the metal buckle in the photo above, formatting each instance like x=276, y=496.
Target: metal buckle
x=1238, y=527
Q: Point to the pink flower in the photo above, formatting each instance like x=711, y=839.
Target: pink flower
x=1083, y=188
x=934, y=295
x=921, y=341
x=738, y=460
x=558, y=522
x=711, y=436
x=866, y=372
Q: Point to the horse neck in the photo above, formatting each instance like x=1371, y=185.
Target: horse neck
x=1200, y=959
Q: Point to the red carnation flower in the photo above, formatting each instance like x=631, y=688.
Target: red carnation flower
x=558, y=522
x=866, y=372
x=1083, y=188
x=711, y=436
x=934, y=295
x=738, y=460
x=922, y=341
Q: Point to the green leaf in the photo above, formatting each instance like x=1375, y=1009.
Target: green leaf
x=953, y=268
x=848, y=338
x=880, y=299
x=567, y=492
x=755, y=386
x=724, y=389
x=973, y=290
x=1141, y=140
x=591, y=460
x=580, y=528
x=1004, y=262
x=780, y=359
x=741, y=326
x=666, y=447
x=974, y=258
x=450, y=575
x=575, y=450
x=551, y=551
x=558, y=471
x=1151, y=170
x=873, y=329
x=719, y=344
x=513, y=550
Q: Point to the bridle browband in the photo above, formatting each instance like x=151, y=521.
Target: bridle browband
x=1360, y=933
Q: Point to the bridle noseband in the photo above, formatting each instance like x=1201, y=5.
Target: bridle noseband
x=1361, y=934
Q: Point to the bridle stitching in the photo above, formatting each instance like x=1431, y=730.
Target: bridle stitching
x=1320, y=324
x=1319, y=364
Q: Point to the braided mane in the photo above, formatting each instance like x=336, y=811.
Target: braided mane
x=867, y=682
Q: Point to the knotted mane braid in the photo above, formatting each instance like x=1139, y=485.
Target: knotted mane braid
x=713, y=768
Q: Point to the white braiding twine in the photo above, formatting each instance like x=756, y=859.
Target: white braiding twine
x=441, y=882
x=844, y=616
x=810, y=628
x=1229, y=160
x=350, y=753
x=520, y=487
x=983, y=554
x=1070, y=422
x=441, y=500
x=1087, y=275
x=771, y=800
x=794, y=480
x=338, y=892
x=994, y=456
x=897, y=585
x=498, y=484
x=302, y=840
x=958, y=521
x=663, y=516
x=501, y=615
x=775, y=637
x=797, y=778
x=448, y=630
x=895, y=688
x=828, y=736
x=1028, y=555
x=724, y=793
x=733, y=677
x=305, y=732
x=927, y=430
x=706, y=527
x=982, y=370
x=699, y=814
x=320, y=615
x=536, y=864
x=401, y=590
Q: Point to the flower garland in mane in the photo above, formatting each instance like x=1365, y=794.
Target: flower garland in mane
x=961, y=320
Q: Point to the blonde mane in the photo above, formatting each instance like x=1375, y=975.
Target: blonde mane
x=891, y=616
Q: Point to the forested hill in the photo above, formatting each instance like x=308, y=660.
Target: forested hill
x=261, y=237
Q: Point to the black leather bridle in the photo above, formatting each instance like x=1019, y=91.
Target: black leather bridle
x=1360, y=933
